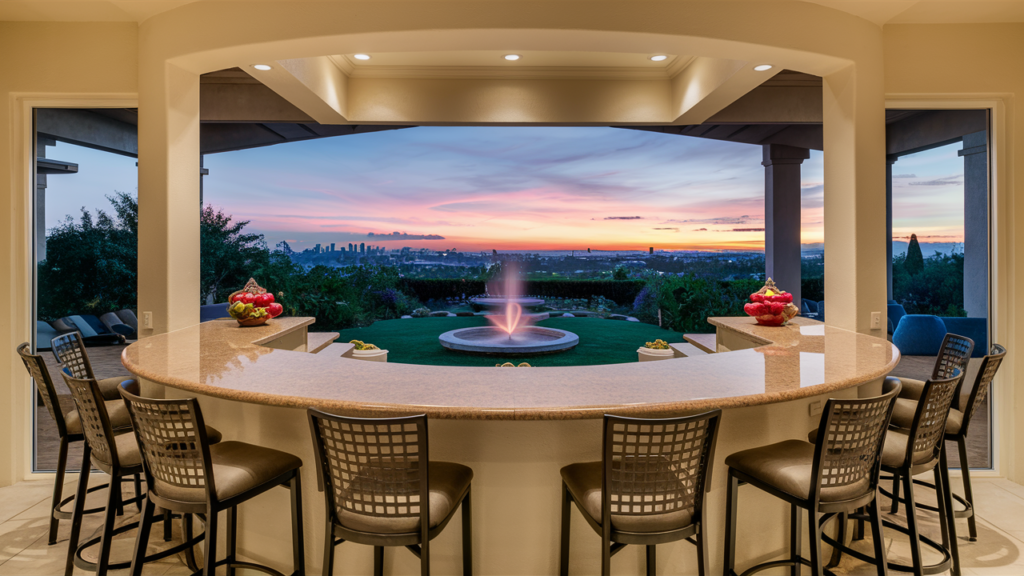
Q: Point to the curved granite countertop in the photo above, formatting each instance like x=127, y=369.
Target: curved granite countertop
x=219, y=359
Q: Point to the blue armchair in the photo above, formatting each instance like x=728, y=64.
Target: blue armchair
x=922, y=334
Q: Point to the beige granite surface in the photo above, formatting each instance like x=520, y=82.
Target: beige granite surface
x=220, y=359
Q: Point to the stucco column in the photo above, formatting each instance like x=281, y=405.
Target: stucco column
x=853, y=106
x=782, y=215
x=889, y=161
x=975, y=155
x=168, y=197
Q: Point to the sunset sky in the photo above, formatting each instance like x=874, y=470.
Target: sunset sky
x=516, y=188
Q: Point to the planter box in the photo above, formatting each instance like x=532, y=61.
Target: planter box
x=649, y=354
x=371, y=355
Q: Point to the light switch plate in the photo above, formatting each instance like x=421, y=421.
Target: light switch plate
x=876, y=320
x=814, y=408
x=147, y=320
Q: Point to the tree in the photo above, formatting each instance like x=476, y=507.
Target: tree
x=915, y=258
x=229, y=256
x=91, y=266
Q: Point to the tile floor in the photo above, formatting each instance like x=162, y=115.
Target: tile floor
x=24, y=551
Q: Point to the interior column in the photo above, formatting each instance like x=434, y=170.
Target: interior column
x=975, y=155
x=782, y=215
x=889, y=161
x=168, y=197
x=853, y=106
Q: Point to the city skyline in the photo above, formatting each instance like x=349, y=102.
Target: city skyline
x=517, y=188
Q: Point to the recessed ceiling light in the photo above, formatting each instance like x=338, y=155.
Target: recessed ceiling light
x=659, y=58
x=763, y=67
x=263, y=67
x=361, y=56
x=511, y=57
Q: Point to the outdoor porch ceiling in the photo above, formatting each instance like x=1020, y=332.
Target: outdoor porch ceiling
x=482, y=87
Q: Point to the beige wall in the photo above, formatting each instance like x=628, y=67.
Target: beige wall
x=169, y=51
x=44, y=61
x=980, y=62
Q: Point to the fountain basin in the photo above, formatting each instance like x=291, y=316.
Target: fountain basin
x=500, y=303
x=525, y=340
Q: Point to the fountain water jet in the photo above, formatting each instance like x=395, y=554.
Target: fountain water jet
x=509, y=334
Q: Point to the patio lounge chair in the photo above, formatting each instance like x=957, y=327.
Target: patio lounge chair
x=94, y=333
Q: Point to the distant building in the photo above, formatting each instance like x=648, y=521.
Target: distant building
x=316, y=248
x=362, y=248
x=332, y=246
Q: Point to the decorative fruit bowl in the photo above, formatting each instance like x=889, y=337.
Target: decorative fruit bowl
x=771, y=306
x=253, y=305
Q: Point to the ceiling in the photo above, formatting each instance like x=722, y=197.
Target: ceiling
x=878, y=11
x=492, y=63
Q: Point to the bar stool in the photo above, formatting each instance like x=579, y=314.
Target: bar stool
x=957, y=427
x=186, y=472
x=836, y=474
x=908, y=453
x=376, y=474
x=69, y=429
x=116, y=454
x=69, y=350
x=650, y=483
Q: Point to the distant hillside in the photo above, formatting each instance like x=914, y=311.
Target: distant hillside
x=899, y=247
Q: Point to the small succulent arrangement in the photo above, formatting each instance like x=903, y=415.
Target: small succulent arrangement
x=658, y=344
x=360, y=345
x=511, y=365
x=420, y=313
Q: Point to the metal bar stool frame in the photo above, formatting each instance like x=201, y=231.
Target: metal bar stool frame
x=834, y=431
x=986, y=374
x=190, y=444
x=69, y=350
x=48, y=393
x=100, y=444
x=677, y=434
x=924, y=436
x=414, y=442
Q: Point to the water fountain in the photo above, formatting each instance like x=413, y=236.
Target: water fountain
x=510, y=332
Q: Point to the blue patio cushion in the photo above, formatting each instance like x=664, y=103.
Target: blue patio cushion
x=895, y=312
x=974, y=328
x=213, y=312
x=919, y=335
x=82, y=326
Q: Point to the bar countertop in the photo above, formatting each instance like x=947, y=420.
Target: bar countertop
x=219, y=359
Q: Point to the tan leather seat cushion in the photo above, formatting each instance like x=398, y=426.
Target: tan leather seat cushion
x=116, y=410
x=786, y=466
x=903, y=416
x=584, y=482
x=237, y=468
x=448, y=482
x=109, y=387
x=894, y=451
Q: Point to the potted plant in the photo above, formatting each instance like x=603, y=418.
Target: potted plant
x=366, y=351
x=657, y=350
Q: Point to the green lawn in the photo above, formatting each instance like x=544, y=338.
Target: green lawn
x=601, y=341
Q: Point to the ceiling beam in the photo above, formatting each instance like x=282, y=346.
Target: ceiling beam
x=709, y=85
x=314, y=85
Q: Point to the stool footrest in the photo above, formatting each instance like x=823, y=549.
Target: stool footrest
x=966, y=512
x=937, y=568
x=84, y=564
x=60, y=514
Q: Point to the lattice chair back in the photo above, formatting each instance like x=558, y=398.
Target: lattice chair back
x=848, y=453
x=44, y=384
x=986, y=373
x=929, y=427
x=174, y=447
x=659, y=466
x=69, y=350
x=372, y=467
x=95, y=421
x=953, y=356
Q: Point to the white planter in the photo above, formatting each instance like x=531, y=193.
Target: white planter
x=371, y=355
x=650, y=354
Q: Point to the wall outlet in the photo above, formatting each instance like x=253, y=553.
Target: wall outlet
x=147, y=320
x=876, y=320
x=814, y=408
